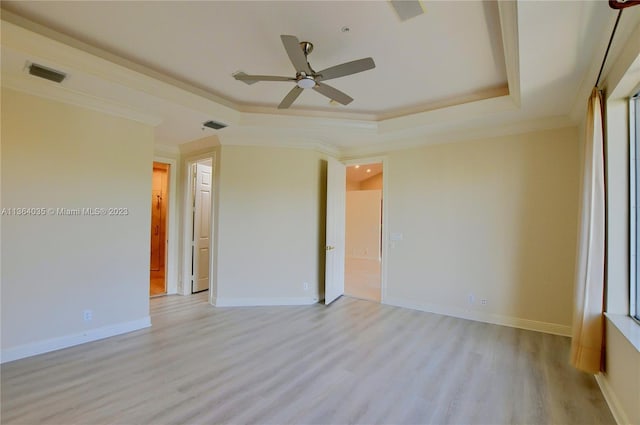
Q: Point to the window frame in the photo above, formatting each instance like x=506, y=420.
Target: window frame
x=634, y=197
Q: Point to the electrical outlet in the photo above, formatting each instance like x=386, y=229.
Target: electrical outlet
x=305, y=285
x=483, y=301
x=471, y=299
x=88, y=315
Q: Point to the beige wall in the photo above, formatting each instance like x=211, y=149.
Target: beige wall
x=270, y=225
x=372, y=183
x=496, y=218
x=59, y=156
x=363, y=221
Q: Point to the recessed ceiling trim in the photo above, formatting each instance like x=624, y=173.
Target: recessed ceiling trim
x=465, y=133
x=508, y=12
x=22, y=38
x=27, y=36
x=59, y=93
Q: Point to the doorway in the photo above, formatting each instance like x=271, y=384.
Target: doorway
x=159, y=204
x=363, y=231
x=201, y=193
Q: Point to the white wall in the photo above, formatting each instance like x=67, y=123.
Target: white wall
x=270, y=226
x=621, y=382
x=496, y=218
x=59, y=156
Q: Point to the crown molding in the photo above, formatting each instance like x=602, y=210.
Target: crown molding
x=327, y=132
x=508, y=13
x=60, y=93
x=471, y=133
x=280, y=142
x=34, y=39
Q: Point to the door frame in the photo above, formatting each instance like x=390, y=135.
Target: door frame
x=185, y=284
x=171, y=251
x=385, y=215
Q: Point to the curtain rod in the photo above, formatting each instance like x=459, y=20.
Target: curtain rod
x=621, y=4
x=606, y=53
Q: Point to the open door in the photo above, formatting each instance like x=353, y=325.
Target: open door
x=334, y=250
x=201, y=229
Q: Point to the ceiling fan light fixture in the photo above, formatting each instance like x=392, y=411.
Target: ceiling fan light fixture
x=306, y=82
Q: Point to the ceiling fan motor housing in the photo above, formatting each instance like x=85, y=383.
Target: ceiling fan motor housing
x=305, y=81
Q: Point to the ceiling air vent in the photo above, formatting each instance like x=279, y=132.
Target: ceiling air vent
x=214, y=124
x=46, y=73
x=407, y=9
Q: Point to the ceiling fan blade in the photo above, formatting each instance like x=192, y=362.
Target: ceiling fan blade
x=290, y=98
x=333, y=93
x=296, y=55
x=250, y=79
x=347, y=68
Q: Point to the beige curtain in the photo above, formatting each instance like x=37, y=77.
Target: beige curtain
x=588, y=320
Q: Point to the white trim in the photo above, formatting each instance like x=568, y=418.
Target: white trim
x=612, y=400
x=27, y=36
x=479, y=316
x=627, y=326
x=508, y=11
x=53, y=344
x=172, y=253
x=63, y=94
x=256, y=302
x=331, y=130
x=463, y=133
x=278, y=141
x=188, y=223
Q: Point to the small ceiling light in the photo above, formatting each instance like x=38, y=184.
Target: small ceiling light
x=345, y=29
x=306, y=82
x=357, y=166
x=368, y=170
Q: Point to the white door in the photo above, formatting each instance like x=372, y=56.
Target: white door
x=336, y=207
x=201, y=229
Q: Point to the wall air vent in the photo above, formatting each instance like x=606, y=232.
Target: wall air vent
x=214, y=124
x=46, y=73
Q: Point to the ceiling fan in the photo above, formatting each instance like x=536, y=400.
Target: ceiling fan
x=306, y=77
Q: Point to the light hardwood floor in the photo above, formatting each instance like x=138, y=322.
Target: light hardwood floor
x=352, y=362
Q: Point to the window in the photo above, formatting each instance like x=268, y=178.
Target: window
x=634, y=189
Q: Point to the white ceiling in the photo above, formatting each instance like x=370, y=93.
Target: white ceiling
x=450, y=52
x=439, y=76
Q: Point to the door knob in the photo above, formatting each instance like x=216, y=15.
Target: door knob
x=329, y=247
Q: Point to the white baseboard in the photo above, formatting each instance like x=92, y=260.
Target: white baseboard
x=479, y=316
x=612, y=400
x=53, y=344
x=255, y=302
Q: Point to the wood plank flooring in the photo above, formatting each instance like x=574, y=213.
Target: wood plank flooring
x=354, y=362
